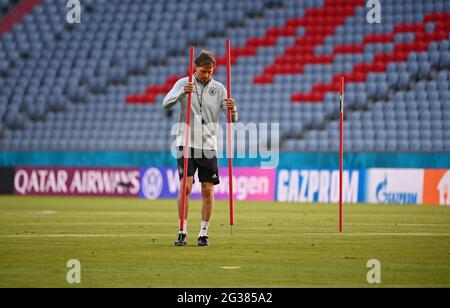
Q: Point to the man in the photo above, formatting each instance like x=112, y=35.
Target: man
x=208, y=98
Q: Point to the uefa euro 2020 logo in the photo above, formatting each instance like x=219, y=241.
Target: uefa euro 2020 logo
x=152, y=184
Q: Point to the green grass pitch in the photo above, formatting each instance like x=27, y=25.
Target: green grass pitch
x=130, y=243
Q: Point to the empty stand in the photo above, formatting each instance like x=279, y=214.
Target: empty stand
x=64, y=87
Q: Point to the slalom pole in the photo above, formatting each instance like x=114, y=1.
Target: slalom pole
x=186, y=141
x=230, y=137
x=341, y=152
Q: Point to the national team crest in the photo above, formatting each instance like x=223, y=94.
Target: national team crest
x=212, y=91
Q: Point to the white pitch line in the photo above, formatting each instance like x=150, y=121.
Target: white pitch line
x=78, y=235
x=59, y=224
x=396, y=234
x=393, y=224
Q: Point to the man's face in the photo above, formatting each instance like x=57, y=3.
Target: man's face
x=204, y=73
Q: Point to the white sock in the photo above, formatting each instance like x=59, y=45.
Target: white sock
x=185, y=226
x=203, y=228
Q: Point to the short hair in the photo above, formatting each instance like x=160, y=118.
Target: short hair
x=206, y=58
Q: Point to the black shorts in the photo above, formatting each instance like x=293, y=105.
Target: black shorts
x=203, y=160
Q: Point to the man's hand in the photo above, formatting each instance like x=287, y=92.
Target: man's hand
x=189, y=87
x=231, y=103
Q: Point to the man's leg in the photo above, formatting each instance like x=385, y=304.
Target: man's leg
x=189, y=182
x=182, y=236
x=208, y=174
x=207, y=206
x=208, y=201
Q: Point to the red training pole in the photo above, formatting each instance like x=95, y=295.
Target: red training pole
x=230, y=139
x=187, y=138
x=341, y=153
